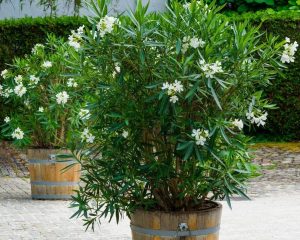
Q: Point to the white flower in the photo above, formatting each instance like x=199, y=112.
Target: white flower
x=5, y=93
x=4, y=73
x=36, y=48
x=34, y=80
x=87, y=136
x=125, y=134
x=173, y=89
x=238, y=123
x=47, y=64
x=84, y=114
x=200, y=136
x=178, y=87
x=75, y=38
x=27, y=103
x=174, y=99
x=210, y=69
x=20, y=90
x=165, y=86
x=62, y=97
x=196, y=42
x=106, y=25
x=186, y=5
x=258, y=118
x=71, y=83
x=18, y=134
x=18, y=79
x=1, y=90
x=7, y=119
x=90, y=138
x=289, y=51
x=41, y=109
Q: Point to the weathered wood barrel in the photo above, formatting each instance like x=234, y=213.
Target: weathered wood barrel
x=48, y=179
x=196, y=225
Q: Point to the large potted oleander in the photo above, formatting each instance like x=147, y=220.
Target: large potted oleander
x=47, y=111
x=174, y=92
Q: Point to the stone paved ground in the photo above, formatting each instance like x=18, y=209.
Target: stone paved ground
x=273, y=214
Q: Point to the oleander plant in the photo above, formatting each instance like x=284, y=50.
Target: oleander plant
x=173, y=94
x=47, y=97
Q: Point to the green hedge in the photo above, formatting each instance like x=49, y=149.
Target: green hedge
x=285, y=92
x=254, y=5
x=18, y=36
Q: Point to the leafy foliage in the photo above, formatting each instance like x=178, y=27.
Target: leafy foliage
x=46, y=100
x=283, y=122
x=18, y=36
x=173, y=91
x=254, y=5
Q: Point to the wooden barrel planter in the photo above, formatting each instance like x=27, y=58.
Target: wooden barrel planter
x=196, y=225
x=48, y=179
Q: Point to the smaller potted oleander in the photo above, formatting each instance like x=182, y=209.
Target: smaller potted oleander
x=47, y=111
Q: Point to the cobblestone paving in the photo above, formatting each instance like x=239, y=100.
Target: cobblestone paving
x=12, y=163
x=272, y=215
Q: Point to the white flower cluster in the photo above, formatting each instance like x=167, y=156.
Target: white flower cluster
x=84, y=114
x=210, y=69
x=20, y=90
x=87, y=136
x=4, y=73
x=18, y=134
x=200, y=136
x=75, y=38
x=62, y=97
x=71, y=83
x=106, y=25
x=289, y=51
x=47, y=64
x=191, y=42
x=36, y=48
x=173, y=89
x=41, y=109
x=34, y=80
x=1, y=90
x=258, y=120
x=238, y=123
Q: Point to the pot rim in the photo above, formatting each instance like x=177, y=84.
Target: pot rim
x=218, y=206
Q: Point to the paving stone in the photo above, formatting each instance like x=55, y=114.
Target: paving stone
x=272, y=215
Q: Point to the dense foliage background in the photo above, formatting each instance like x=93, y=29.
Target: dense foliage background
x=17, y=37
x=254, y=5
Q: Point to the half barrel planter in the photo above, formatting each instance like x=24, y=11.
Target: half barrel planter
x=48, y=176
x=196, y=225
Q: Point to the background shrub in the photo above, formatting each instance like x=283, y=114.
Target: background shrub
x=283, y=122
x=254, y=5
x=18, y=36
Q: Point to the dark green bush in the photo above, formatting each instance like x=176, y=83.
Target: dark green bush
x=285, y=91
x=17, y=37
x=254, y=5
